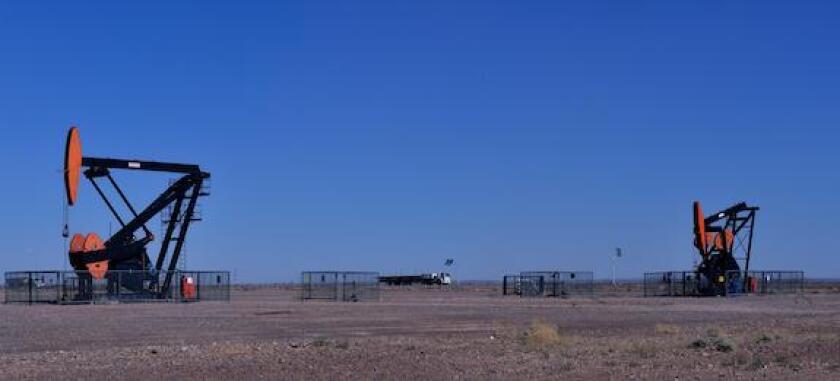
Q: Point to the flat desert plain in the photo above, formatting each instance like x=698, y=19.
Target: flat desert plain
x=471, y=333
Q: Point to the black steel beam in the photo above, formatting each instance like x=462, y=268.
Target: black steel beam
x=173, y=192
x=107, y=202
x=127, y=203
x=749, y=249
x=170, y=228
x=140, y=165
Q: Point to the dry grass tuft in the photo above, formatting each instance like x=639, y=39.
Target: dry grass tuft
x=644, y=350
x=542, y=335
x=768, y=337
x=666, y=329
x=715, y=339
x=714, y=332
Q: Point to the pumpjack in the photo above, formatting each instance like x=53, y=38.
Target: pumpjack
x=724, y=241
x=124, y=254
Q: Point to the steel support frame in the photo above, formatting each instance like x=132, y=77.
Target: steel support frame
x=186, y=188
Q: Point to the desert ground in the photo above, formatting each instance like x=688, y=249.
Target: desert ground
x=471, y=333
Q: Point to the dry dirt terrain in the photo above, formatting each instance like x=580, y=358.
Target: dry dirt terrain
x=473, y=334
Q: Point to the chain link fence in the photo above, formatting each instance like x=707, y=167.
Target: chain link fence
x=524, y=286
x=765, y=282
x=552, y=284
x=688, y=283
x=79, y=287
x=671, y=283
x=347, y=286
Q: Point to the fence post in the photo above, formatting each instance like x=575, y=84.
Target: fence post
x=335, y=282
x=30, y=286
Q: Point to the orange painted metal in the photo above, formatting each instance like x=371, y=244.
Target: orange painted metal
x=72, y=165
x=77, y=243
x=94, y=243
x=729, y=240
x=714, y=240
x=720, y=242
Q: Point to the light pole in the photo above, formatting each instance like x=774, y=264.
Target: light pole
x=449, y=263
x=614, y=258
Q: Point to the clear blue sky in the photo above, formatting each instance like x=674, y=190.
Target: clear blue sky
x=510, y=135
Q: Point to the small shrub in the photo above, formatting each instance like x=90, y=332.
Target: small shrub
x=781, y=359
x=722, y=345
x=757, y=364
x=767, y=337
x=698, y=344
x=320, y=341
x=715, y=340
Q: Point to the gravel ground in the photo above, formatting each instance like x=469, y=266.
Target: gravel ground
x=430, y=334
